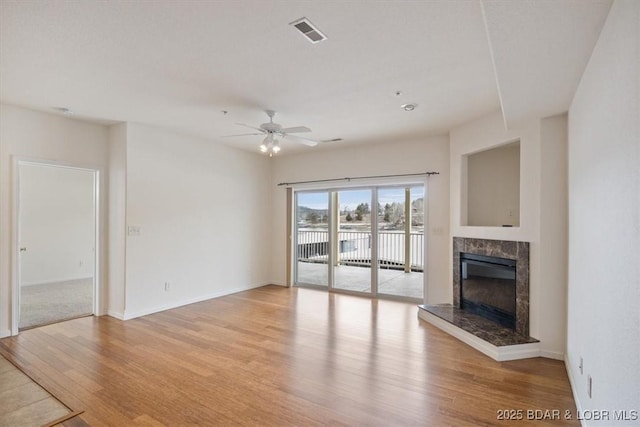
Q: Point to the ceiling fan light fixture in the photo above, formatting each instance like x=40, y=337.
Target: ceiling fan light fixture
x=270, y=145
x=266, y=143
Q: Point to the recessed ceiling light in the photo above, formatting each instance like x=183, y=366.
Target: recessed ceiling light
x=409, y=107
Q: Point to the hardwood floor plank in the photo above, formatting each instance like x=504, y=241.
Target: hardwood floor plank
x=281, y=356
x=147, y=421
x=76, y=421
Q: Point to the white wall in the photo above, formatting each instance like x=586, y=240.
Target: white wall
x=553, y=230
x=604, y=220
x=493, y=187
x=203, y=210
x=56, y=224
x=117, y=218
x=489, y=132
x=39, y=135
x=430, y=154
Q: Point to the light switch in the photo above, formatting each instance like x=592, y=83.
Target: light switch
x=133, y=230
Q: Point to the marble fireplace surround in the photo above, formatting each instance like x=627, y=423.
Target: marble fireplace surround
x=518, y=251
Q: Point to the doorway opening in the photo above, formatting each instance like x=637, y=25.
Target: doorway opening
x=57, y=240
x=365, y=240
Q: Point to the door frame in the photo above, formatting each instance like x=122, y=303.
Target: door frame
x=374, y=185
x=97, y=171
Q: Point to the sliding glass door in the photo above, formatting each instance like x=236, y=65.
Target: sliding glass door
x=401, y=241
x=312, y=238
x=340, y=236
x=352, y=240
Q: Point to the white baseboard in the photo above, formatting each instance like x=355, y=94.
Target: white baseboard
x=145, y=312
x=500, y=354
x=115, y=314
x=572, y=383
x=69, y=279
x=5, y=333
x=556, y=355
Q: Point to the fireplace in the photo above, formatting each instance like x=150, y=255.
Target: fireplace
x=501, y=266
x=488, y=287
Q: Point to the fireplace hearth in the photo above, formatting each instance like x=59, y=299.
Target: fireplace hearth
x=490, y=310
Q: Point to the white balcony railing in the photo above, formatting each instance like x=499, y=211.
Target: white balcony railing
x=354, y=248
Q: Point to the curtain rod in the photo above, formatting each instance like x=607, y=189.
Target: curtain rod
x=359, y=177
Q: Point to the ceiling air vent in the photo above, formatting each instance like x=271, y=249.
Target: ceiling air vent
x=308, y=30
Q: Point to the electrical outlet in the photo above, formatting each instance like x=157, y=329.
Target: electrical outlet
x=589, y=386
x=581, y=366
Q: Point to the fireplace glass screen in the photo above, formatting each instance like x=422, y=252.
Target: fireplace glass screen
x=488, y=287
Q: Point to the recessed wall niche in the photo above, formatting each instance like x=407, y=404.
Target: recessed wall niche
x=491, y=187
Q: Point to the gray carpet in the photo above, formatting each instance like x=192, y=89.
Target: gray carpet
x=54, y=302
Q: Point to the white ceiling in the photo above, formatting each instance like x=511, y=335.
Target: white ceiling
x=540, y=51
x=179, y=64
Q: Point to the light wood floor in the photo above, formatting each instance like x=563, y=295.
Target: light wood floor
x=277, y=356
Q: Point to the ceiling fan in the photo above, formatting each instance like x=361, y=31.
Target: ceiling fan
x=272, y=130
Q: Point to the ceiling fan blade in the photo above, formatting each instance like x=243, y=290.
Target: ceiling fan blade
x=302, y=140
x=251, y=127
x=241, y=134
x=295, y=129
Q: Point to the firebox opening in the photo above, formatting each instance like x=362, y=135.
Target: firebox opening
x=488, y=287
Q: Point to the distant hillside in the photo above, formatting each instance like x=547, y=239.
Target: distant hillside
x=303, y=211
